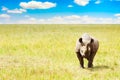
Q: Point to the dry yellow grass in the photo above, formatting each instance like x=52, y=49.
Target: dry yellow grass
x=46, y=52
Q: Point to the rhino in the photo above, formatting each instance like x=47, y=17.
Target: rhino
x=86, y=47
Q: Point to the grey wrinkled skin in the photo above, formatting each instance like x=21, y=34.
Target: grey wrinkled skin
x=86, y=47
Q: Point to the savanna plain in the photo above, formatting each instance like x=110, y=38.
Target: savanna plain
x=47, y=52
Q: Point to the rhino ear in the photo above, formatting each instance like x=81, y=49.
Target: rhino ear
x=80, y=40
x=92, y=40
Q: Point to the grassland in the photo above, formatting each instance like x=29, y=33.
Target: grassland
x=46, y=52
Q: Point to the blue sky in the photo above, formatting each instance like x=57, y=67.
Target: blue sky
x=59, y=11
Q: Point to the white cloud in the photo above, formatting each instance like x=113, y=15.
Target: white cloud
x=72, y=19
x=118, y=20
x=117, y=15
x=17, y=11
x=6, y=16
x=4, y=8
x=82, y=2
x=37, y=5
x=98, y=2
x=70, y=6
x=32, y=19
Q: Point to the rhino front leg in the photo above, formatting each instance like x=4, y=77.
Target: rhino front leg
x=80, y=58
x=90, y=60
x=90, y=64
